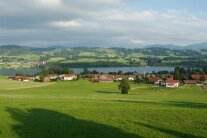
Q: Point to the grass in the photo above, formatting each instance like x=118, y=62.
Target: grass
x=6, y=84
x=84, y=109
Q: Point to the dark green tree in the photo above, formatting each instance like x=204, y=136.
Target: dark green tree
x=202, y=79
x=177, y=75
x=85, y=71
x=137, y=80
x=124, y=86
x=79, y=77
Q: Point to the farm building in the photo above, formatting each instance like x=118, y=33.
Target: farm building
x=102, y=78
x=19, y=78
x=154, y=80
x=171, y=83
x=190, y=81
x=67, y=77
x=198, y=77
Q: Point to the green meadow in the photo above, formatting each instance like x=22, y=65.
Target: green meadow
x=85, y=109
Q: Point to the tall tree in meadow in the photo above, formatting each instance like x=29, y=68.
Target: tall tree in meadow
x=124, y=86
x=177, y=75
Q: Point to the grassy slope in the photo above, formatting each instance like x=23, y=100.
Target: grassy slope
x=6, y=84
x=84, y=109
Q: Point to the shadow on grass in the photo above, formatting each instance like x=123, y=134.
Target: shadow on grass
x=167, y=131
x=43, y=123
x=170, y=103
x=108, y=92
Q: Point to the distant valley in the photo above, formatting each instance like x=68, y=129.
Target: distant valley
x=22, y=57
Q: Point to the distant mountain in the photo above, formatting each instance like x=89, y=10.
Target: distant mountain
x=176, y=47
x=197, y=46
x=13, y=50
x=163, y=46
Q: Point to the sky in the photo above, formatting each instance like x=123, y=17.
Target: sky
x=102, y=23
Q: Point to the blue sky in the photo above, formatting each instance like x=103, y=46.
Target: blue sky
x=108, y=23
x=162, y=5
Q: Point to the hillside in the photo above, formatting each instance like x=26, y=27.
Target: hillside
x=13, y=50
x=198, y=46
x=13, y=56
x=81, y=109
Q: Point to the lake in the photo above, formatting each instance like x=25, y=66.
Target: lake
x=23, y=71
x=102, y=69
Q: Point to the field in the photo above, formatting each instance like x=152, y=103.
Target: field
x=85, y=109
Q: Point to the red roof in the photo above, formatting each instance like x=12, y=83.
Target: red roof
x=153, y=79
x=171, y=80
x=197, y=77
x=190, y=81
x=68, y=75
x=107, y=79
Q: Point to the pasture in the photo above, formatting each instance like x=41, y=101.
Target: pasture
x=85, y=109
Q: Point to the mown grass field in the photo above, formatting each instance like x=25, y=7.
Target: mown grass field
x=85, y=109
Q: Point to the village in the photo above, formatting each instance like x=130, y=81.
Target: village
x=161, y=80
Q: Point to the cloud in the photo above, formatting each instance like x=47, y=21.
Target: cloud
x=96, y=22
x=49, y=3
x=66, y=24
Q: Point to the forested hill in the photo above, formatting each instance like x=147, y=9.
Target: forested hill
x=100, y=57
x=13, y=50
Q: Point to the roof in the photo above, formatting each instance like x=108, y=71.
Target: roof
x=68, y=75
x=107, y=79
x=153, y=79
x=197, y=77
x=190, y=81
x=171, y=80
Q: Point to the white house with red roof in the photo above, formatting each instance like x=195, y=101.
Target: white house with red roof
x=171, y=83
x=68, y=77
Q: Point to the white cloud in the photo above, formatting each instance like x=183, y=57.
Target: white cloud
x=97, y=22
x=48, y=3
x=66, y=24
x=137, y=41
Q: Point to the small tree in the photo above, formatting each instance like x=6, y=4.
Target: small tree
x=79, y=77
x=124, y=86
x=202, y=79
x=137, y=80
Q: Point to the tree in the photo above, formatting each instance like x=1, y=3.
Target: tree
x=202, y=79
x=120, y=72
x=79, y=77
x=177, y=73
x=85, y=71
x=137, y=80
x=124, y=86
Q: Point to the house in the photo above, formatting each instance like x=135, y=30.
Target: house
x=102, y=78
x=46, y=79
x=171, y=83
x=154, y=80
x=198, y=77
x=190, y=81
x=24, y=79
x=131, y=77
x=19, y=78
x=67, y=77
x=119, y=77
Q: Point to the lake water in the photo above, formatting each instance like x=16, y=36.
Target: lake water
x=105, y=70
x=127, y=69
x=23, y=71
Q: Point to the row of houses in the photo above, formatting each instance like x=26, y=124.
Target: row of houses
x=111, y=78
x=153, y=79
x=19, y=78
x=64, y=77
